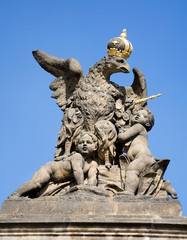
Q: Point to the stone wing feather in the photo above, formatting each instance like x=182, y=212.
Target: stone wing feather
x=68, y=73
x=138, y=89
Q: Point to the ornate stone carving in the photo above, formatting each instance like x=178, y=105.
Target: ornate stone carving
x=102, y=146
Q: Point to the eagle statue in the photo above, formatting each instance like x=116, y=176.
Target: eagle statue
x=87, y=100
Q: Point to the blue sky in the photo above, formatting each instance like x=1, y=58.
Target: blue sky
x=30, y=119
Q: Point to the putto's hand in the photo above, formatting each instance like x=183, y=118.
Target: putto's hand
x=124, y=129
x=129, y=104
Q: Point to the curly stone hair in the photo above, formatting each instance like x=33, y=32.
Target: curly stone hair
x=150, y=117
x=94, y=138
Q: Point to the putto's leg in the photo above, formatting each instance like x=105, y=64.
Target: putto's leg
x=131, y=182
x=170, y=190
x=39, y=179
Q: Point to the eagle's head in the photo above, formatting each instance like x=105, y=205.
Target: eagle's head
x=115, y=64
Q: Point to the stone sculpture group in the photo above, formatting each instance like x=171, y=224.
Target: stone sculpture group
x=102, y=145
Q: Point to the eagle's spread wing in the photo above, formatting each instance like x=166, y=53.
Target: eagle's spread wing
x=138, y=88
x=68, y=73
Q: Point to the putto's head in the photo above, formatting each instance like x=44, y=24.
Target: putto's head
x=86, y=143
x=143, y=116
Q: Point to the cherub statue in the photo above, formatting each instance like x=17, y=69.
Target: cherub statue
x=142, y=164
x=74, y=166
x=138, y=151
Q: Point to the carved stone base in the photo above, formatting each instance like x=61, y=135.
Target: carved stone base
x=99, y=206
x=82, y=214
x=95, y=229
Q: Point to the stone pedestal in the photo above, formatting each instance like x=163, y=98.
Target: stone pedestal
x=83, y=215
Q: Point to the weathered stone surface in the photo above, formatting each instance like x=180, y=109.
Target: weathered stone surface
x=82, y=214
x=104, y=129
x=83, y=203
x=89, y=228
x=104, y=182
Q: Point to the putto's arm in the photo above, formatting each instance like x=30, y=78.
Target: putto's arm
x=129, y=133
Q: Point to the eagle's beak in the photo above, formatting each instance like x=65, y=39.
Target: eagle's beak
x=125, y=68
